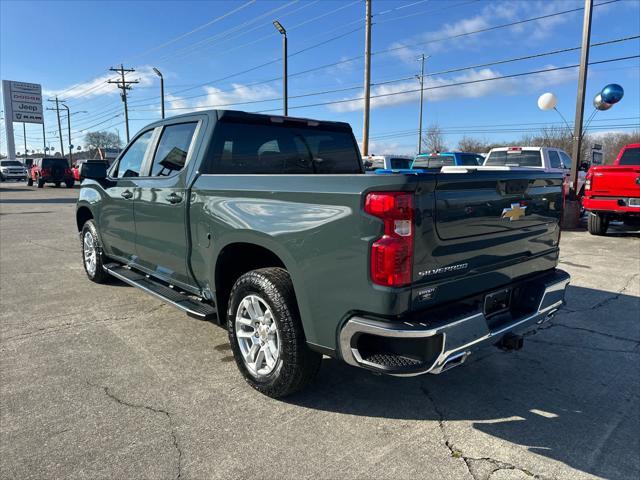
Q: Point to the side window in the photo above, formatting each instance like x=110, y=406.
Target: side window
x=554, y=159
x=173, y=147
x=566, y=160
x=131, y=162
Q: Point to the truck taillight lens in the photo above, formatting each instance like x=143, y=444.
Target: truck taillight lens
x=587, y=182
x=392, y=254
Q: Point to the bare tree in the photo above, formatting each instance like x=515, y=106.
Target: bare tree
x=470, y=144
x=433, y=139
x=102, y=139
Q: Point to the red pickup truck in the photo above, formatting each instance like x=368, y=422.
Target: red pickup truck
x=612, y=192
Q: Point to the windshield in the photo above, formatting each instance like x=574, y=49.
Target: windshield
x=631, y=156
x=433, y=161
x=10, y=163
x=244, y=147
x=54, y=162
x=514, y=158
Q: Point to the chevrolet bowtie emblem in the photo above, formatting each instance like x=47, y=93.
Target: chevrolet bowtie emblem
x=514, y=212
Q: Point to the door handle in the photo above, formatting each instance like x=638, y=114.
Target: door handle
x=126, y=194
x=174, y=198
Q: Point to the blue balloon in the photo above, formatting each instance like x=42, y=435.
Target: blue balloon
x=612, y=93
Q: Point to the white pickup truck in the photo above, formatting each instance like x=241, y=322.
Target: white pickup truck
x=549, y=159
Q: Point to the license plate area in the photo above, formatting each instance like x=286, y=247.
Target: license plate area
x=497, y=302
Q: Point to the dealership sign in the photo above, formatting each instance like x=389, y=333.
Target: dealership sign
x=23, y=101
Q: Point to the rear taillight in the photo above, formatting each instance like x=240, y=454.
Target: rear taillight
x=392, y=254
x=587, y=182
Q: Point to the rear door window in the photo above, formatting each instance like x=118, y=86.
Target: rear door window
x=554, y=159
x=131, y=162
x=173, y=147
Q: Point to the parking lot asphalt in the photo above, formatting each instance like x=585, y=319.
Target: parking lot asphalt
x=108, y=382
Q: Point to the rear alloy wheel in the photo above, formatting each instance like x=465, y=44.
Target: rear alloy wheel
x=92, y=257
x=266, y=335
x=597, y=223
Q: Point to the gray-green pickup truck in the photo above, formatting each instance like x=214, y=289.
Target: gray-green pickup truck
x=270, y=225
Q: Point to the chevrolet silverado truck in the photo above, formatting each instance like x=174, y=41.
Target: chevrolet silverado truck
x=270, y=226
x=612, y=192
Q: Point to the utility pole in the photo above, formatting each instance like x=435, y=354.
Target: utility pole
x=421, y=79
x=582, y=83
x=57, y=109
x=124, y=85
x=24, y=134
x=367, y=79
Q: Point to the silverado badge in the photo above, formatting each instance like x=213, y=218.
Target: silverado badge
x=514, y=212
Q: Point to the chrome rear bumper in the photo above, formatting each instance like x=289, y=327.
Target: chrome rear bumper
x=444, y=342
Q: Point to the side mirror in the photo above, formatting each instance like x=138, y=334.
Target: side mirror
x=93, y=170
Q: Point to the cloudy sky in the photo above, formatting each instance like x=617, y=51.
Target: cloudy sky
x=227, y=54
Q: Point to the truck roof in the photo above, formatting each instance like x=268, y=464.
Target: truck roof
x=217, y=114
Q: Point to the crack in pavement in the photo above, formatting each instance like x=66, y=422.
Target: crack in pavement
x=174, y=437
x=49, y=247
x=475, y=466
x=584, y=347
x=70, y=325
x=550, y=325
x=608, y=300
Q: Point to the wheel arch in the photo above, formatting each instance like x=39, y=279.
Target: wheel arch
x=83, y=214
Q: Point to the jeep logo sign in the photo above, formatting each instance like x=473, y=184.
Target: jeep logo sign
x=24, y=107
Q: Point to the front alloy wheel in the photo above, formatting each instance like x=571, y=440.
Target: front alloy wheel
x=257, y=334
x=90, y=254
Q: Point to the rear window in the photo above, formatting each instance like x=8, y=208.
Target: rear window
x=54, y=162
x=470, y=159
x=400, y=163
x=631, y=156
x=10, y=163
x=434, y=161
x=515, y=158
x=242, y=147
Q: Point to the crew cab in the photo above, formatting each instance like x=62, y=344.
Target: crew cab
x=12, y=170
x=50, y=170
x=548, y=159
x=447, y=159
x=270, y=226
x=612, y=192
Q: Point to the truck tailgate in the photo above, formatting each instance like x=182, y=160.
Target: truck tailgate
x=482, y=229
x=615, y=181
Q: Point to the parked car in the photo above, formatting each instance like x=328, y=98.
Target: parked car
x=78, y=167
x=50, y=170
x=387, y=162
x=548, y=159
x=447, y=159
x=269, y=225
x=612, y=192
x=12, y=170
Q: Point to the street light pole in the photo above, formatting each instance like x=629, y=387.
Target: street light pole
x=367, y=78
x=24, y=134
x=161, y=89
x=582, y=83
x=421, y=79
x=285, y=94
x=69, y=130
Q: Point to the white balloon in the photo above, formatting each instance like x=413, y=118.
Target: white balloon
x=547, y=101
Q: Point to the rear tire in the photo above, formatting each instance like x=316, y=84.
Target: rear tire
x=274, y=330
x=70, y=183
x=29, y=182
x=92, y=256
x=597, y=223
x=40, y=183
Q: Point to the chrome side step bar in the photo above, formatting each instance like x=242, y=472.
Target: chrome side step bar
x=167, y=294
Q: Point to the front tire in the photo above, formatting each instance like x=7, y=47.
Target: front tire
x=266, y=335
x=92, y=256
x=597, y=223
x=29, y=182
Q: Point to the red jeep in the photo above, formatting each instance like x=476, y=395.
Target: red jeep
x=50, y=170
x=612, y=192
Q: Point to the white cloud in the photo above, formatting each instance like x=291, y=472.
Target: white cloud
x=219, y=98
x=436, y=88
x=99, y=86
